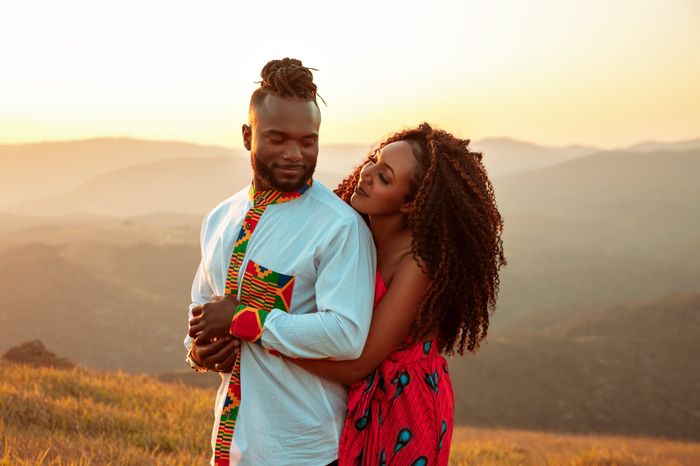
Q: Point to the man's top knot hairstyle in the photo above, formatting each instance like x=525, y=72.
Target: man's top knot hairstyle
x=285, y=78
x=288, y=78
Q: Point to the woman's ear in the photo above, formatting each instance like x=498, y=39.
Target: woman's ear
x=406, y=207
x=247, y=133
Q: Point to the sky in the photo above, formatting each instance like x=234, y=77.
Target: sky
x=553, y=72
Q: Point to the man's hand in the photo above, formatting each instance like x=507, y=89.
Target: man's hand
x=219, y=356
x=212, y=320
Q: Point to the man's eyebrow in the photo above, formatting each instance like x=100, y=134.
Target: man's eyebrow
x=277, y=132
x=274, y=132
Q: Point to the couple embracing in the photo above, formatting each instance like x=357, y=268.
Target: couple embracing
x=327, y=313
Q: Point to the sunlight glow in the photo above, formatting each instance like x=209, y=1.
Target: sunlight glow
x=553, y=72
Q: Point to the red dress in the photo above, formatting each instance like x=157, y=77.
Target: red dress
x=402, y=413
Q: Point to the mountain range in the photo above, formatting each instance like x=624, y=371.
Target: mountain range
x=595, y=327
x=57, y=178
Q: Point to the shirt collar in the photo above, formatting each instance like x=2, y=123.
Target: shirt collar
x=267, y=197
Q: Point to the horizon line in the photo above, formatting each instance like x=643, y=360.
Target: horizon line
x=472, y=141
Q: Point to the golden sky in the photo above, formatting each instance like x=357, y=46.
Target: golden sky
x=553, y=72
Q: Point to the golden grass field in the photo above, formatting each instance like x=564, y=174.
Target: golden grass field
x=85, y=417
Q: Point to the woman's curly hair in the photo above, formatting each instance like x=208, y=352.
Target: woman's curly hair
x=456, y=229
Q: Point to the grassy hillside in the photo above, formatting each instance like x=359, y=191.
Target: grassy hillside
x=80, y=417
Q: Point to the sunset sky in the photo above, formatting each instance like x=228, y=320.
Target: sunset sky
x=553, y=72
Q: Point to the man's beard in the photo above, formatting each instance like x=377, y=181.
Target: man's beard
x=266, y=175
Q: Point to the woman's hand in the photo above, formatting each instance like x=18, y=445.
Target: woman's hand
x=219, y=355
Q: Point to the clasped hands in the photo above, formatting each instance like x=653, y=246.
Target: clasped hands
x=214, y=348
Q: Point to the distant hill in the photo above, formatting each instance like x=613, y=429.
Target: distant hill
x=603, y=181
x=74, y=172
x=184, y=186
x=156, y=229
x=628, y=369
x=38, y=170
x=602, y=228
x=652, y=146
x=503, y=156
x=34, y=353
x=571, y=250
x=66, y=166
x=102, y=305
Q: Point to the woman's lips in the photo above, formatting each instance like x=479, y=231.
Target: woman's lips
x=360, y=191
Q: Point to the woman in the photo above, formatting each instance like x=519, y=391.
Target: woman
x=437, y=229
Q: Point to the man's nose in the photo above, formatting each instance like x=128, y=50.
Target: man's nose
x=292, y=152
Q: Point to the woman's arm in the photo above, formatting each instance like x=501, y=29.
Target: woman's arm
x=391, y=322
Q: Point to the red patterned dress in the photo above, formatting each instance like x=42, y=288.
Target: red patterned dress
x=402, y=413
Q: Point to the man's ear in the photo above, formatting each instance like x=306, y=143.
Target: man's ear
x=247, y=133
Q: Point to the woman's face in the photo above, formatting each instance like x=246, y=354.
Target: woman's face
x=385, y=181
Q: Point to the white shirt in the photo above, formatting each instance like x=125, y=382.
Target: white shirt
x=287, y=415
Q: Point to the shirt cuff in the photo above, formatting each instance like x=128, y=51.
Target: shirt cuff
x=247, y=323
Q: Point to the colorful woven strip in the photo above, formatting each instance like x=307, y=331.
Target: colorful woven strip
x=261, y=291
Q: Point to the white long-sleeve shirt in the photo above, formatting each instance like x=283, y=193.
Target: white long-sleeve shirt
x=287, y=415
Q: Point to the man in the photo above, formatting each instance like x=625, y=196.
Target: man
x=296, y=266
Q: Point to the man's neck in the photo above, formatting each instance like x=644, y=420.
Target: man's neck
x=260, y=185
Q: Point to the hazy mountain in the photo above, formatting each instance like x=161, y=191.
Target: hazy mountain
x=602, y=228
x=605, y=180
x=175, y=184
x=34, y=353
x=35, y=172
x=186, y=186
x=606, y=227
x=158, y=229
x=652, y=146
x=101, y=305
x=628, y=369
x=503, y=156
x=38, y=170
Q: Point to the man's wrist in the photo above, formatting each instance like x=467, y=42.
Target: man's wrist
x=193, y=361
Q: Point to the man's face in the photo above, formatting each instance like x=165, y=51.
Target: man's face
x=283, y=142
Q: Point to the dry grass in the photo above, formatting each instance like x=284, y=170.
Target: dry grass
x=82, y=417
x=66, y=417
x=490, y=447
